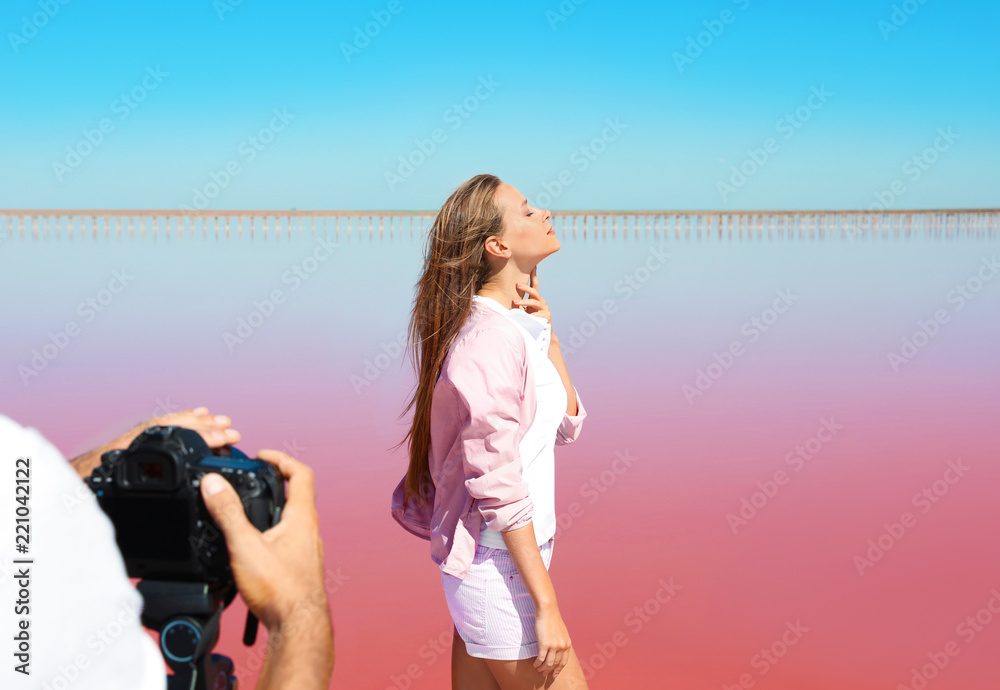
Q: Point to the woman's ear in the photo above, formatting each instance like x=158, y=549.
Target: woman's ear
x=496, y=246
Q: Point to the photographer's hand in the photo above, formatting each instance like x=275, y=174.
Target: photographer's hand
x=279, y=574
x=213, y=428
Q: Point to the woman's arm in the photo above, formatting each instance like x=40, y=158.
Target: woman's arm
x=555, y=354
x=491, y=385
x=537, y=306
x=553, y=638
x=569, y=429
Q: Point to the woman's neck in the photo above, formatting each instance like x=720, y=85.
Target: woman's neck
x=505, y=290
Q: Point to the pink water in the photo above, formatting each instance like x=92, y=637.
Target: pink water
x=822, y=582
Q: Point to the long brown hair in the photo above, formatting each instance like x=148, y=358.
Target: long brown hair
x=455, y=268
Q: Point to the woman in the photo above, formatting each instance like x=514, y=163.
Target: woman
x=493, y=398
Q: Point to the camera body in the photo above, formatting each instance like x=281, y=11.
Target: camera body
x=151, y=493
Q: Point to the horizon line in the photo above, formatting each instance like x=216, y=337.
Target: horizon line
x=374, y=212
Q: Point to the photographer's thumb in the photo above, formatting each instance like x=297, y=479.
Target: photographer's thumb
x=225, y=507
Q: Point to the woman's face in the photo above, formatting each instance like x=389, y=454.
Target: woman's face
x=527, y=231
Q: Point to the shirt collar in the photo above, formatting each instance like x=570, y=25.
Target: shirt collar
x=537, y=327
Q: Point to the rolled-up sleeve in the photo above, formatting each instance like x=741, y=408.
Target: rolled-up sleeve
x=569, y=428
x=490, y=383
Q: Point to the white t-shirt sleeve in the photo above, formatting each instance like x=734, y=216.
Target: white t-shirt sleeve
x=85, y=631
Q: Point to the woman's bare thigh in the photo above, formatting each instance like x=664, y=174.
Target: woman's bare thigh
x=522, y=675
x=469, y=672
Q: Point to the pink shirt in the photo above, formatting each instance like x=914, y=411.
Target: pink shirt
x=483, y=404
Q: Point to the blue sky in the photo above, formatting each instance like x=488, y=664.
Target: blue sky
x=597, y=105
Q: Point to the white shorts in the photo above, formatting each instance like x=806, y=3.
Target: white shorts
x=492, y=608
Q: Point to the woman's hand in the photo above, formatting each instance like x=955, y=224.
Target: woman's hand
x=534, y=305
x=553, y=642
x=553, y=639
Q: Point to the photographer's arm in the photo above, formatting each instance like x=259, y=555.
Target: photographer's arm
x=302, y=657
x=213, y=428
x=280, y=575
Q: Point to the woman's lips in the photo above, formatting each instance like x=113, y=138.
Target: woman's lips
x=551, y=232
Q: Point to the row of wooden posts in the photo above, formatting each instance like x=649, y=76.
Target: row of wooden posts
x=107, y=224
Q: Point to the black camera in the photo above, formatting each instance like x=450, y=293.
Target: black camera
x=151, y=492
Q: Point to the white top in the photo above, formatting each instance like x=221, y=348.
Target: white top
x=538, y=444
x=84, y=629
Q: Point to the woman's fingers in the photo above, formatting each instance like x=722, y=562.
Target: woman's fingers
x=551, y=662
x=539, y=662
x=562, y=663
x=535, y=300
x=554, y=643
x=540, y=309
x=539, y=305
x=533, y=290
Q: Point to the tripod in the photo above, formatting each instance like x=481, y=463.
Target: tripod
x=186, y=614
